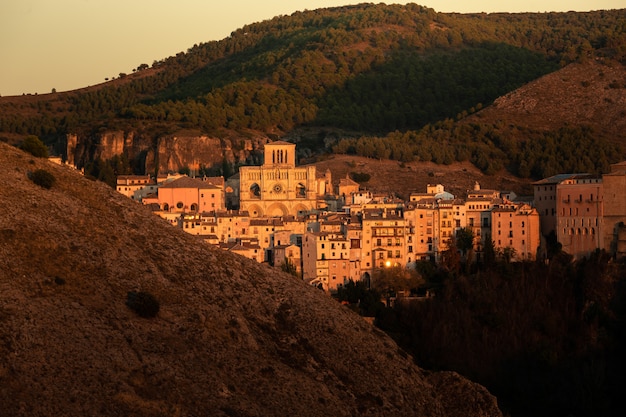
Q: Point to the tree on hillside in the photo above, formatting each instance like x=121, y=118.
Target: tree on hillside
x=465, y=241
x=388, y=281
x=34, y=146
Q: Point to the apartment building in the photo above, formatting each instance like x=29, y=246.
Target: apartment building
x=384, y=244
x=614, y=185
x=136, y=186
x=572, y=207
x=421, y=227
x=516, y=229
x=325, y=259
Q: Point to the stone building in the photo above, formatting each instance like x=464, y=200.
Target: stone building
x=516, y=226
x=279, y=188
x=572, y=207
x=614, y=184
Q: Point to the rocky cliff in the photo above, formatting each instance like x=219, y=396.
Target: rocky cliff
x=168, y=153
x=232, y=337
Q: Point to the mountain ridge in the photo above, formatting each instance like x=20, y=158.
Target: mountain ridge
x=364, y=70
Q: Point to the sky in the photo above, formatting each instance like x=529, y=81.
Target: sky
x=69, y=44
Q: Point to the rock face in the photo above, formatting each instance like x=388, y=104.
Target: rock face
x=167, y=153
x=187, y=151
x=232, y=337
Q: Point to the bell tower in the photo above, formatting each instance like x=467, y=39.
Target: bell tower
x=280, y=153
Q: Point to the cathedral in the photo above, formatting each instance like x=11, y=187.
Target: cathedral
x=278, y=187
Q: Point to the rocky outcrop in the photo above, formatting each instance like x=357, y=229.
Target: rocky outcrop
x=194, y=152
x=232, y=337
x=168, y=153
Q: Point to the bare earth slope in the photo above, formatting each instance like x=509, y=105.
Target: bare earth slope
x=233, y=337
x=391, y=177
x=591, y=93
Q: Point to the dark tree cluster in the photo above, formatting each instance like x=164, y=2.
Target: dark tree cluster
x=490, y=148
x=546, y=339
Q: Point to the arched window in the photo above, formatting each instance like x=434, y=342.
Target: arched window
x=300, y=191
x=194, y=207
x=255, y=191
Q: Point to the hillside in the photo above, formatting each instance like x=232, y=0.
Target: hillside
x=373, y=70
x=592, y=93
x=232, y=337
x=393, y=177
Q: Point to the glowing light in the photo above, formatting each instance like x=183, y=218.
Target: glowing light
x=388, y=264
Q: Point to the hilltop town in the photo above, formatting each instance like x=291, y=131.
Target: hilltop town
x=332, y=232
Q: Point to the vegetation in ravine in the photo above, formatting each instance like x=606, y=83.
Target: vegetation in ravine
x=547, y=338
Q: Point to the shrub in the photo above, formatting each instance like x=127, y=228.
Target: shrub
x=34, y=146
x=143, y=303
x=360, y=177
x=42, y=178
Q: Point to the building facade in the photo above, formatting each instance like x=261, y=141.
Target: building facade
x=278, y=188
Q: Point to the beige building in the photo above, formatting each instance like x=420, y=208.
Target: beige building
x=287, y=253
x=572, y=207
x=384, y=243
x=579, y=207
x=516, y=226
x=279, y=188
x=136, y=186
x=614, y=184
x=420, y=220
x=245, y=247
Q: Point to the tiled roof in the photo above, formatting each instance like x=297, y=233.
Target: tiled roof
x=186, y=182
x=557, y=179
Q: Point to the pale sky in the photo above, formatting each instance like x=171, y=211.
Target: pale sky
x=68, y=44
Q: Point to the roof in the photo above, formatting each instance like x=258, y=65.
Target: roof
x=280, y=142
x=346, y=182
x=217, y=181
x=186, y=182
x=559, y=178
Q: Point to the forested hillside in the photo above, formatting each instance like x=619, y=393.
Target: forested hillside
x=397, y=77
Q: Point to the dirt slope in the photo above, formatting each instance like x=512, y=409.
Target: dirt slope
x=232, y=338
x=592, y=94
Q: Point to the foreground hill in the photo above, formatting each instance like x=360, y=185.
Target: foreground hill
x=232, y=337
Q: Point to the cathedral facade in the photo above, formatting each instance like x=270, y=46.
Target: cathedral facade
x=278, y=187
